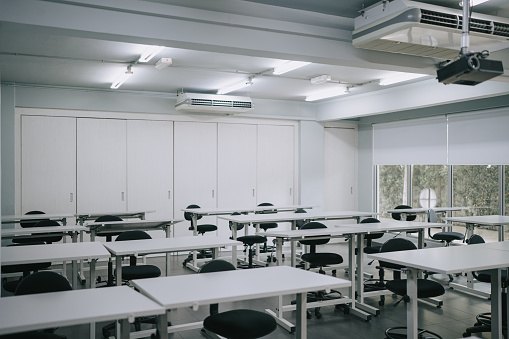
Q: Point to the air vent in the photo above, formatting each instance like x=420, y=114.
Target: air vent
x=212, y=103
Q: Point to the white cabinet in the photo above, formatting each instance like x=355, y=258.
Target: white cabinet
x=236, y=168
x=276, y=164
x=340, y=169
x=195, y=170
x=101, y=165
x=150, y=167
x=48, y=164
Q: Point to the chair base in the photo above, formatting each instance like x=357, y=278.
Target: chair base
x=400, y=332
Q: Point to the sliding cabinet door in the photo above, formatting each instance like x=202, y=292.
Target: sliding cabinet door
x=48, y=164
x=276, y=163
x=195, y=170
x=236, y=168
x=101, y=165
x=339, y=165
x=150, y=167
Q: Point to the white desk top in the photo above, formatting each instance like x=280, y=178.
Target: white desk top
x=115, y=226
x=159, y=245
x=393, y=226
x=288, y=216
x=209, y=288
x=488, y=220
x=56, y=309
x=425, y=210
x=95, y=215
x=448, y=260
x=12, y=232
x=27, y=217
x=219, y=211
x=13, y=255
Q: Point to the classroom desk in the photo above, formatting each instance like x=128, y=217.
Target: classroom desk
x=126, y=225
x=91, y=251
x=482, y=220
x=82, y=217
x=288, y=217
x=17, y=218
x=164, y=245
x=229, y=286
x=68, y=308
x=406, y=211
x=451, y=260
x=350, y=231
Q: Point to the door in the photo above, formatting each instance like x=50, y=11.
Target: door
x=48, y=164
x=195, y=170
x=101, y=165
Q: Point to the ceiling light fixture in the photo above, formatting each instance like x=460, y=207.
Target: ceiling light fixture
x=321, y=79
x=289, y=66
x=400, y=78
x=474, y=2
x=330, y=93
x=149, y=53
x=121, y=78
x=163, y=63
x=235, y=86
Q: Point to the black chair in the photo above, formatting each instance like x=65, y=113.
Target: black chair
x=26, y=269
x=239, y=226
x=134, y=271
x=265, y=227
x=200, y=229
x=249, y=241
x=483, y=320
x=109, y=237
x=239, y=323
x=300, y=223
x=28, y=224
x=320, y=260
x=369, y=248
x=398, y=216
x=425, y=288
x=41, y=282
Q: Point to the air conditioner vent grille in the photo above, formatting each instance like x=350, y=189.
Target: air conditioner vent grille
x=501, y=29
x=243, y=104
x=439, y=19
x=221, y=103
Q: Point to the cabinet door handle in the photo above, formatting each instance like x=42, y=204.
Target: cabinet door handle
x=123, y=196
x=169, y=194
x=212, y=193
x=71, y=197
x=290, y=191
x=253, y=192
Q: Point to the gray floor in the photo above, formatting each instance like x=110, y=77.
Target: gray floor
x=450, y=321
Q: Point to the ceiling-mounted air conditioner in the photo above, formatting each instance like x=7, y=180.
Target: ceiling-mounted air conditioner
x=213, y=103
x=416, y=28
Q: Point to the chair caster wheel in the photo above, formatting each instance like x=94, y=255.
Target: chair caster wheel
x=382, y=300
x=308, y=315
x=274, y=259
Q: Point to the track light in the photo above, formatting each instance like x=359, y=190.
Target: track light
x=289, y=66
x=400, y=78
x=149, y=53
x=329, y=93
x=121, y=78
x=235, y=86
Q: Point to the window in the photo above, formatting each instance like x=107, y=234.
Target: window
x=392, y=186
x=429, y=186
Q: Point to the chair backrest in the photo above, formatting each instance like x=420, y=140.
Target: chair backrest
x=188, y=216
x=268, y=211
x=48, y=223
x=313, y=242
x=394, y=245
x=371, y=236
x=397, y=216
x=432, y=216
x=299, y=223
x=43, y=282
x=105, y=218
x=239, y=226
x=216, y=265
x=475, y=239
x=133, y=235
x=31, y=223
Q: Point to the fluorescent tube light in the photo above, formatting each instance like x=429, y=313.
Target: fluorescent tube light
x=474, y=2
x=321, y=79
x=330, y=93
x=289, y=66
x=121, y=78
x=400, y=78
x=163, y=63
x=149, y=53
x=235, y=86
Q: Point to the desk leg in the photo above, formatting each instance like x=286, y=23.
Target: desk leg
x=162, y=326
x=411, y=307
x=496, y=304
x=234, y=248
x=124, y=328
x=92, y=285
x=74, y=274
x=301, y=326
x=118, y=272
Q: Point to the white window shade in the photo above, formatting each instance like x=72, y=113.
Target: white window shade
x=411, y=142
x=481, y=138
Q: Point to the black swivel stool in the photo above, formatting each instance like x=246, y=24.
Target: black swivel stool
x=200, y=229
x=398, y=216
x=109, y=237
x=239, y=323
x=249, y=241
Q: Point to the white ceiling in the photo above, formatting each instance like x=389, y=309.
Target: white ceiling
x=41, y=46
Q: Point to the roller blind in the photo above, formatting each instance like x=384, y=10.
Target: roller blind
x=480, y=138
x=411, y=142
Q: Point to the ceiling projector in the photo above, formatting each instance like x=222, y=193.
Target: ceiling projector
x=470, y=69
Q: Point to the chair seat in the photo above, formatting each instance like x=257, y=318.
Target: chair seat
x=322, y=259
x=252, y=239
x=140, y=272
x=425, y=288
x=448, y=236
x=240, y=324
x=268, y=225
x=372, y=249
x=206, y=228
x=485, y=276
